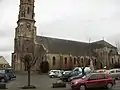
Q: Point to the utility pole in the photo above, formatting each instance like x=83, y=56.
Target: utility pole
x=89, y=48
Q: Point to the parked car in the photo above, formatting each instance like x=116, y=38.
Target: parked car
x=55, y=73
x=9, y=72
x=3, y=77
x=75, y=72
x=75, y=77
x=65, y=77
x=93, y=80
x=66, y=72
x=101, y=71
x=115, y=73
x=87, y=70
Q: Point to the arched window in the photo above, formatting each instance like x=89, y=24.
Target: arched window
x=54, y=60
x=81, y=60
x=74, y=60
x=23, y=14
x=88, y=61
x=65, y=60
x=112, y=61
x=28, y=10
x=78, y=59
x=95, y=61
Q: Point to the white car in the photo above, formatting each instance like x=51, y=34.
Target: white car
x=115, y=73
x=102, y=71
x=86, y=70
x=55, y=73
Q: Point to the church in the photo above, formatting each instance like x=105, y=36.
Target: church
x=55, y=53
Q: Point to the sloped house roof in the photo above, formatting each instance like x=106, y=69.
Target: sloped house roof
x=2, y=60
x=55, y=45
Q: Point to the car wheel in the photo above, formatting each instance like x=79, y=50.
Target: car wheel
x=10, y=78
x=82, y=87
x=52, y=76
x=118, y=78
x=2, y=80
x=109, y=85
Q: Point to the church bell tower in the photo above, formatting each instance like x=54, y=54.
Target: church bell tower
x=25, y=34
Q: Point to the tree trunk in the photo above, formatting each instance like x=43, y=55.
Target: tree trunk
x=29, y=77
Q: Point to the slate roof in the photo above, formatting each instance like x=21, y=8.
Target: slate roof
x=104, y=43
x=55, y=45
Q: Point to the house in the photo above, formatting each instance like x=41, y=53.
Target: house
x=3, y=63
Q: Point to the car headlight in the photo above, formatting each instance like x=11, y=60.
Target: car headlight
x=76, y=83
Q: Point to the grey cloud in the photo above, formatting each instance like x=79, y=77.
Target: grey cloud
x=6, y=44
x=1, y=1
x=6, y=33
x=115, y=39
x=5, y=49
x=76, y=28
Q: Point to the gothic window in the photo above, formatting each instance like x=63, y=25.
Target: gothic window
x=112, y=61
x=28, y=10
x=78, y=59
x=81, y=60
x=22, y=12
x=65, y=60
x=95, y=61
x=74, y=60
x=54, y=60
x=28, y=26
x=88, y=61
x=33, y=14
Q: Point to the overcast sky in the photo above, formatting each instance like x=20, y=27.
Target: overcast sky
x=69, y=19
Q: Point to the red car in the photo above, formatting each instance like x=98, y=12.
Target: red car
x=93, y=80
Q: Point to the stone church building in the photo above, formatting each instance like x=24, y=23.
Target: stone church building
x=57, y=53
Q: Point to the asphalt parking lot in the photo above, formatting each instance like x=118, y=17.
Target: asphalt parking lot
x=42, y=82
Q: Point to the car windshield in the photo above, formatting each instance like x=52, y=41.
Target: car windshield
x=85, y=76
x=2, y=71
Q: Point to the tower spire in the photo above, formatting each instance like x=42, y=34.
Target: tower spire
x=26, y=10
x=25, y=34
x=26, y=23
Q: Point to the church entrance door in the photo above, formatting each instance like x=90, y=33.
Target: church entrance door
x=44, y=66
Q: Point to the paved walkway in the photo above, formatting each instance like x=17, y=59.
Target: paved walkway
x=42, y=82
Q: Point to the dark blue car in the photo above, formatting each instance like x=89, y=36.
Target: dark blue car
x=9, y=72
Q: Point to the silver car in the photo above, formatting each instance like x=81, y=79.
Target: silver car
x=115, y=73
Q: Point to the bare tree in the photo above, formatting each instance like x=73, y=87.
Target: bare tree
x=83, y=66
x=118, y=46
x=30, y=62
x=29, y=56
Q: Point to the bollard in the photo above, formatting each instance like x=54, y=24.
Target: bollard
x=3, y=86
